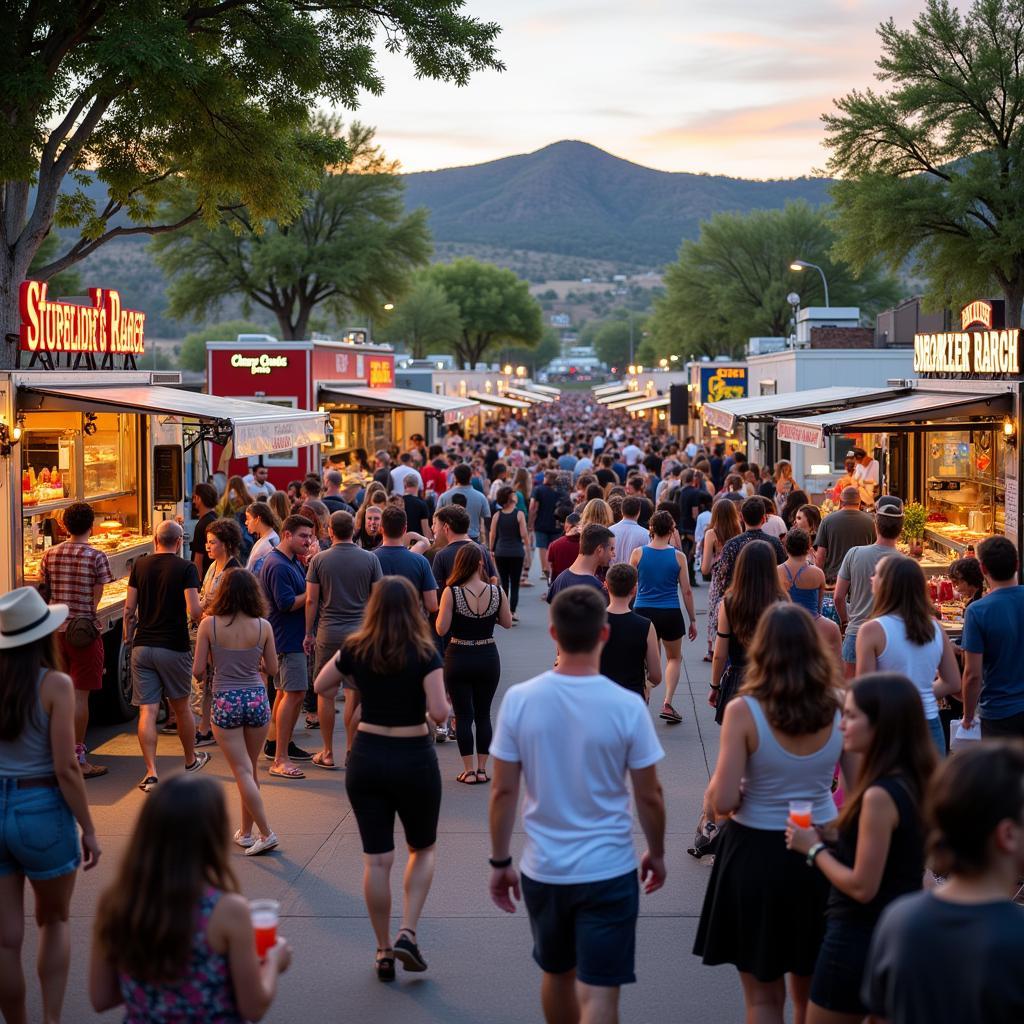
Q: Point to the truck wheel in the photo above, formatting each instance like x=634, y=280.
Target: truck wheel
x=115, y=699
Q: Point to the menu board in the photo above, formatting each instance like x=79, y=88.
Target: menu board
x=1012, y=501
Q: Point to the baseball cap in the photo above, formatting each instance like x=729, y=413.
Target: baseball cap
x=889, y=505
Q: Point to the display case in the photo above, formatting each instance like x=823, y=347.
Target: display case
x=965, y=487
x=108, y=454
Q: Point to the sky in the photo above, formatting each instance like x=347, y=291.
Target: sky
x=731, y=87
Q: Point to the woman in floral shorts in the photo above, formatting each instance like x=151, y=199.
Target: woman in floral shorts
x=235, y=639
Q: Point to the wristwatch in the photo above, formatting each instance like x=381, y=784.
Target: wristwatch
x=504, y=863
x=813, y=852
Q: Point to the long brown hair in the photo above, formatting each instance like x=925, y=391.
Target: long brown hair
x=145, y=921
x=392, y=621
x=755, y=587
x=900, y=590
x=467, y=565
x=239, y=593
x=19, y=683
x=790, y=672
x=374, y=492
x=901, y=744
x=725, y=520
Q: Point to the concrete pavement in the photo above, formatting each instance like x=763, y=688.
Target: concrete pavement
x=481, y=971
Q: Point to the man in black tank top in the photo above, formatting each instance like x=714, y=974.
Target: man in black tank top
x=631, y=654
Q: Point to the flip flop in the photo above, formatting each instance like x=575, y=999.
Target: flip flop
x=465, y=779
x=287, y=773
x=317, y=759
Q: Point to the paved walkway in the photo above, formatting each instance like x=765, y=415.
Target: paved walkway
x=481, y=971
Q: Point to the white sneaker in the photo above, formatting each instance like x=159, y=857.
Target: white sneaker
x=244, y=841
x=261, y=845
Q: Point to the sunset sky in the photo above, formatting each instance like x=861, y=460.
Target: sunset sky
x=722, y=86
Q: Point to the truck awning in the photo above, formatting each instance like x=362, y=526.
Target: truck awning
x=258, y=427
x=662, y=402
x=921, y=408
x=546, y=389
x=452, y=410
x=533, y=397
x=498, y=401
x=765, y=408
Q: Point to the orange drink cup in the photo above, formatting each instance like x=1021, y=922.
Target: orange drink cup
x=264, y=924
x=800, y=813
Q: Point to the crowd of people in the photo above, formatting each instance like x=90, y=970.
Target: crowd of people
x=852, y=856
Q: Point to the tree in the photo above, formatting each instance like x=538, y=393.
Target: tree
x=351, y=249
x=536, y=358
x=425, y=320
x=193, y=349
x=731, y=282
x=932, y=171
x=163, y=98
x=618, y=339
x=495, y=307
x=67, y=282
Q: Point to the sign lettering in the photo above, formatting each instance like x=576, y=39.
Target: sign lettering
x=381, y=373
x=719, y=383
x=104, y=327
x=261, y=364
x=800, y=433
x=993, y=353
x=977, y=312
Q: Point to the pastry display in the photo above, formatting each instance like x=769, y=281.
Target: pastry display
x=47, y=485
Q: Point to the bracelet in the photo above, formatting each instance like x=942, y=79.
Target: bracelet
x=813, y=852
x=714, y=687
x=507, y=862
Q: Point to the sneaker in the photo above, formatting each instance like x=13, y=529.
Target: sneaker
x=296, y=753
x=201, y=761
x=205, y=739
x=244, y=841
x=270, y=749
x=261, y=845
x=407, y=952
x=669, y=714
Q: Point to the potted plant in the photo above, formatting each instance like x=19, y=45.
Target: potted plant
x=914, y=519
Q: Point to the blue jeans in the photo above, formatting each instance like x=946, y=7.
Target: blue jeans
x=935, y=731
x=38, y=834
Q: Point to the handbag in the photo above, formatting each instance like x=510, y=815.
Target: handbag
x=81, y=632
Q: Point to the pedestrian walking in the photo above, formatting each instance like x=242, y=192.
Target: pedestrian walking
x=262, y=522
x=723, y=526
x=509, y=541
x=74, y=573
x=470, y=608
x=842, y=531
x=662, y=571
x=629, y=534
x=43, y=798
x=804, y=582
x=571, y=740
x=878, y=850
x=236, y=640
x=763, y=910
x=338, y=585
x=903, y=637
x=597, y=547
x=163, y=593
x=631, y=657
x=186, y=952
x=393, y=662
x=284, y=582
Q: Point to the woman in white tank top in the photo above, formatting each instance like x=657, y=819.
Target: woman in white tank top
x=904, y=636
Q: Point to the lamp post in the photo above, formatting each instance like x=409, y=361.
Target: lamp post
x=799, y=265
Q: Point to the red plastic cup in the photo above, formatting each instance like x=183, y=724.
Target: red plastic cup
x=265, y=914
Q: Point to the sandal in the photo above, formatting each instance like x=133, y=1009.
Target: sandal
x=482, y=776
x=291, y=772
x=465, y=778
x=408, y=952
x=148, y=783
x=318, y=760
x=312, y=722
x=385, y=965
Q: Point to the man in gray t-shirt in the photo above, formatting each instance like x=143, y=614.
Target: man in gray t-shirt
x=477, y=506
x=840, y=532
x=853, y=596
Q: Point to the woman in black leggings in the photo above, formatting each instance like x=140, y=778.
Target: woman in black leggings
x=509, y=540
x=470, y=606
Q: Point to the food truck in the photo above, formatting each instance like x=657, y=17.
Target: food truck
x=80, y=422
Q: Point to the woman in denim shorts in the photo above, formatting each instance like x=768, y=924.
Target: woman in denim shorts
x=42, y=795
x=235, y=639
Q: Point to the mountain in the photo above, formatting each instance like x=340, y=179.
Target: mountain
x=575, y=199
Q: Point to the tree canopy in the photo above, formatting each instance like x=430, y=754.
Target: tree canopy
x=192, y=355
x=425, y=320
x=932, y=169
x=351, y=249
x=612, y=339
x=495, y=308
x=731, y=283
x=164, y=98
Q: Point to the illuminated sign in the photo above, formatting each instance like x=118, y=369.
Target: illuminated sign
x=991, y=352
x=977, y=312
x=261, y=364
x=718, y=383
x=382, y=373
x=103, y=328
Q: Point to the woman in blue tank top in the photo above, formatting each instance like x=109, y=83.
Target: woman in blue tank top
x=662, y=571
x=805, y=584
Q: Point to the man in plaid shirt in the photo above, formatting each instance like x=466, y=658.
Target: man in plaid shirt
x=75, y=573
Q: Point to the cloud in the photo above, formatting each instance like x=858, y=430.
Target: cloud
x=789, y=119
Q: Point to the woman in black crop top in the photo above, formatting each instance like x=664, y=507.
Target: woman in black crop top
x=470, y=607
x=878, y=853
x=395, y=668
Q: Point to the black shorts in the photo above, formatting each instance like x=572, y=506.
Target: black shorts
x=668, y=622
x=388, y=776
x=839, y=970
x=590, y=927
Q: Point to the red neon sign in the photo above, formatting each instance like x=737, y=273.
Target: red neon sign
x=104, y=327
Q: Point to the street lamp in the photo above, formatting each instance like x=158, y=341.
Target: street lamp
x=389, y=306
x=799, y=265
x=508, y=369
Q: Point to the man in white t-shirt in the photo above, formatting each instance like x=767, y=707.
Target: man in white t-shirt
x=866, y=474
x=632, y=453
x=257, y=484
x=401, y=471
x=572, y=736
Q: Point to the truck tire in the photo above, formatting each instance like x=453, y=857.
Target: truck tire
x=114, y=702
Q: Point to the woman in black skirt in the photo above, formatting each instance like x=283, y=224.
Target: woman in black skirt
x=393, y=663
x=764, y=907
x=469, y=610
x=878, y=851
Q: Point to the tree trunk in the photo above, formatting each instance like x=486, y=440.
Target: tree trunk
x=1013, y=294
x=13, y=268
